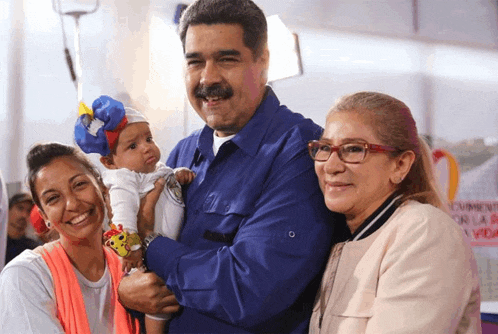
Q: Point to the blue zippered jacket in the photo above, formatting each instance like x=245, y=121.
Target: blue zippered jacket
x=256, y=232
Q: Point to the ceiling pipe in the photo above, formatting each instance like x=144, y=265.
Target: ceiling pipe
x=15, y=94
x=415, y=17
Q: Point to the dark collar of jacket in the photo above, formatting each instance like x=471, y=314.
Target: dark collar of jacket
x=378, y=218
x=249, y=138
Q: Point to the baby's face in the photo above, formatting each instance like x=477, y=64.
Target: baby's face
x=136, y=149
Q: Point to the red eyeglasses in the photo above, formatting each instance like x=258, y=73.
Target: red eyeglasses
x=353, y=153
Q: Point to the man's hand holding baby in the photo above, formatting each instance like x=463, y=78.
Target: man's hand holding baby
x=184, y=175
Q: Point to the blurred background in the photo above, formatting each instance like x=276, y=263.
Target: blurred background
x=438, y=56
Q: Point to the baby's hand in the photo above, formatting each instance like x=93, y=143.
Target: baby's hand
x=184, y=175
x=134, y=260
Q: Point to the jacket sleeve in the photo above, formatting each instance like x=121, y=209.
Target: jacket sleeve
x=277, y=251
x=428, y=280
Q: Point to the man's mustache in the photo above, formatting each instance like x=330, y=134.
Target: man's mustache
x=217, y=90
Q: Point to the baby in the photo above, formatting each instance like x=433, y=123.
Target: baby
x=123, y=138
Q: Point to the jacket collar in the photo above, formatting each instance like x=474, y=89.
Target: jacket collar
x=249, y=138
x=378, y=218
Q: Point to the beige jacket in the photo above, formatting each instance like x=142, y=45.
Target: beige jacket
x=415, y=274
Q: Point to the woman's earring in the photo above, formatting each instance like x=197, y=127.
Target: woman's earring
x=397, y=180
x=48, y=223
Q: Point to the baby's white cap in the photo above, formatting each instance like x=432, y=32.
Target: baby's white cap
x=134, y=116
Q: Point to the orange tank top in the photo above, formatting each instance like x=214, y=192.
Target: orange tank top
x=71, y=310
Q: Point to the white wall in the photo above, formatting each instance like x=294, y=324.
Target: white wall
x=130, y=48
x=464, y=80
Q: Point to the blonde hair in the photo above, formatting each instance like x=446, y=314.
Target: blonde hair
x=393, y=123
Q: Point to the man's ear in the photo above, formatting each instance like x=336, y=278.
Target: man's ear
x=265, y=57
x=108, y=162
x=264, y=62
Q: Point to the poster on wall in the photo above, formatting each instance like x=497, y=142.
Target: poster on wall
x=478, y=220
x=469, y=202
x=473, y=203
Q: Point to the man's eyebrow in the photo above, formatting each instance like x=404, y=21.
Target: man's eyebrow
x=192, y=55
x=230, y=52
x=220, y=53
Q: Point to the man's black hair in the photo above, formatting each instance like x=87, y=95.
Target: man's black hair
x=243, y=12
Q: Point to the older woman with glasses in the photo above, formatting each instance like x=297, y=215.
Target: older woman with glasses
x=406, y=267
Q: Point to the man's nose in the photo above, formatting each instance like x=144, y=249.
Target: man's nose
x=210, y=74
x=26, y=213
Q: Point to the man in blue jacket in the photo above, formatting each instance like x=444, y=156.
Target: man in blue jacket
x=256, y=232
